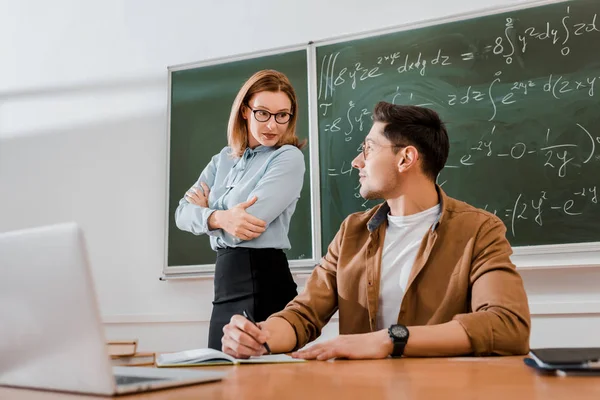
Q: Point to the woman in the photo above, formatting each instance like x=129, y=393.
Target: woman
x=244, y=200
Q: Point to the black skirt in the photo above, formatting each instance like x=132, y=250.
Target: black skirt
x=256, y=280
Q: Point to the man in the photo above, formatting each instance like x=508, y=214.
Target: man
x=422, y=274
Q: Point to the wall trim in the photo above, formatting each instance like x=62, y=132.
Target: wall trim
x=572, y=255
x=537, y=308
x=155, y=318
x=564, y=307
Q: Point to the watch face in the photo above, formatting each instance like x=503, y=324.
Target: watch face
x=399, y=331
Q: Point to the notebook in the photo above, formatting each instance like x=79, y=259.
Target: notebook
x=209, y=357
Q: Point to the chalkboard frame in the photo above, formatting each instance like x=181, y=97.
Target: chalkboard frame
x=297, y=266
x=525, y=257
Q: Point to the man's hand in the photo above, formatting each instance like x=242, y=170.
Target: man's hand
x=243, y=339
x=355, y=347
x=198, y=197
x=237, y=222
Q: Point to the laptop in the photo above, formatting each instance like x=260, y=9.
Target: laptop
x=51, y=334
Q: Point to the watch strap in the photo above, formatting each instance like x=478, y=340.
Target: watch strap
x=399, y=342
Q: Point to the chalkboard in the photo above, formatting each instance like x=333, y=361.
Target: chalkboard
x=519, y=92
x=200, y=103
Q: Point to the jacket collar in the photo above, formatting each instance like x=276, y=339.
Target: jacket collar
x=381, y=214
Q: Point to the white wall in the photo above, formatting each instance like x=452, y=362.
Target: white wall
x=83, y=97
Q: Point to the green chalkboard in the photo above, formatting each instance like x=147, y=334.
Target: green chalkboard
x=519, y=92
x=201, y=100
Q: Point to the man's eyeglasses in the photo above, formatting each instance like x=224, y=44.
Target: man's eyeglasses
x=367, y=147
x=264, y=115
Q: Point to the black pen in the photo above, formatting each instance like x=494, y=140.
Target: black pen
x=249, y=318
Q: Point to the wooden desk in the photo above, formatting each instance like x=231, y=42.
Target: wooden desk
x=441, y=378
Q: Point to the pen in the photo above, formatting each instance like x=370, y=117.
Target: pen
x=249, y=318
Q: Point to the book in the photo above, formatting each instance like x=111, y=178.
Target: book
x=210, y=357
x=578, y=372
x=565, y=361
x=567, y=358
x=136, y=360
x=120, y=348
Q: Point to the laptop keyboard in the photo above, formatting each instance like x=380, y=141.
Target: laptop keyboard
x=129, y=380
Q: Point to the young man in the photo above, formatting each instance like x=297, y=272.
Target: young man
x=422, y=274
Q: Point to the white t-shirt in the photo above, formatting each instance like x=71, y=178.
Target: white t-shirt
x=402, y=240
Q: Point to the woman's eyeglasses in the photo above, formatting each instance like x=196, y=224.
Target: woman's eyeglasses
x=264, y=115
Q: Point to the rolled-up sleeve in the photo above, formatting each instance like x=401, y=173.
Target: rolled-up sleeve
x=312, y=309
x=500, y=320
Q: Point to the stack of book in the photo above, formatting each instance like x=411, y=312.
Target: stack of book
x=566, y=361
x=124, y=353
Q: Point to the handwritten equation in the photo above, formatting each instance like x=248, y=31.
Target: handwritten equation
x=508, y=46
x=536, y=209
x=557, y=155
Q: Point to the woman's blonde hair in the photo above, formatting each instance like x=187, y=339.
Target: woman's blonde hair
x=267, y=80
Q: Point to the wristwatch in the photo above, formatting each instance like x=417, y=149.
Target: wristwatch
x=399, y=336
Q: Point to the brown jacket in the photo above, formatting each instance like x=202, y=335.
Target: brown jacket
x=462, y=272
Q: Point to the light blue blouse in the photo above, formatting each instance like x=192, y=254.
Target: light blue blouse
x=274, y=176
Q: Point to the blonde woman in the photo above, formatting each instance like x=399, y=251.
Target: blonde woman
x=244, y=200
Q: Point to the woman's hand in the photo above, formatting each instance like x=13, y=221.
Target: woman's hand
x=197, y=196
x=237, y=222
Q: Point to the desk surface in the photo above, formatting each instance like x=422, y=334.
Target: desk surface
x=447, y=378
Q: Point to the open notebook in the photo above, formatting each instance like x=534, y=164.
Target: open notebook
x=202, y=357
